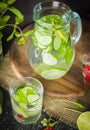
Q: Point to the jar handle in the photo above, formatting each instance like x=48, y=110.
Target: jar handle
x=77, y=29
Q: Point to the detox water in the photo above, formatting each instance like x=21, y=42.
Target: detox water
x=50, y=51
x=26, y=100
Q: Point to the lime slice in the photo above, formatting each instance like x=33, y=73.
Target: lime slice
x=83, y=121
x=27, y=90
x=49, y=59
x=23, y=92
x=43, y=39
x=53, y=74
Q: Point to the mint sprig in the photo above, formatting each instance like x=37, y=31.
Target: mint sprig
x=6, y=5
x=48, y=123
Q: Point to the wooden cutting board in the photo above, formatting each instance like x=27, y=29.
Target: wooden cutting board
x=70, y=85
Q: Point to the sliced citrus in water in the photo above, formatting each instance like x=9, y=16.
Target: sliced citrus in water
x=53, y=74
x=23, y=92
x=83, y=121
x=25, y=95
x=49, y=59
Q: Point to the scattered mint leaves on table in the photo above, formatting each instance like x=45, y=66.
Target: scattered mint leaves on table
x=48, y=123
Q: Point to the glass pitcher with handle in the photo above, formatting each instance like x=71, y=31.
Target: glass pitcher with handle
x=51, y=50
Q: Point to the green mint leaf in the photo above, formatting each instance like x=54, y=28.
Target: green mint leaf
x=19, y=16
x=21, y=41
x=53, y=124
x=44, y=122
x=11, y=35
x=18, y=20
x=1, y=35
x=68, y=54
x=26, y=34
x=4, y=20
x=17, y=34
x=3, y=6
x=10, y=1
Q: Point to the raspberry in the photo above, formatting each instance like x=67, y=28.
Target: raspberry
x=20, y=116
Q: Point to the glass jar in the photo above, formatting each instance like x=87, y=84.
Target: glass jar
x=51, y=50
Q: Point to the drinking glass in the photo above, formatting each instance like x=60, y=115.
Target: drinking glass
x=26, y=98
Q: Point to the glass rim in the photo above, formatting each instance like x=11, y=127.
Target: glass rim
x=56, y=3
x=42, y=6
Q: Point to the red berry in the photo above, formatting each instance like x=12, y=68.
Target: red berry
x=50, y=128
x=86, y=72
x=87, y=67
x=20, y=116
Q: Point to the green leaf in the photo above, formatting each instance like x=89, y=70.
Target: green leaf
x=1, y=35
x=76, y=104
x=69, y=54
x=44, y=122
x=4, y=20
x=10, y=1
x=53, y=124
x=26, y=34
x=17, y=34
x=3, y=5
x=11, y=36
x=79, y=105
x=19, y=16
x=21, y=41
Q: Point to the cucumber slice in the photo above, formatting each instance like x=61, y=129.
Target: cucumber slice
x=49, y=59
x=31, y=98
x=41, y=46
x=53, y=74
x=23, y=92
x=57, y=43
x=1, y=101
x=43, y=39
